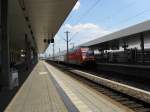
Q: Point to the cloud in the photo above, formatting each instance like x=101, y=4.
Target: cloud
x=81, y=27
x=86, y=32
x=76, y=7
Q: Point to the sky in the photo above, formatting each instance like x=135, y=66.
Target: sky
x=91, y=19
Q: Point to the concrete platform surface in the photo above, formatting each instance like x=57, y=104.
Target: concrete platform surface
x=38, y=94
x=84, y=97
x=48, y=89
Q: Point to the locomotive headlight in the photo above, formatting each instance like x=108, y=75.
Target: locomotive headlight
x=22, y=55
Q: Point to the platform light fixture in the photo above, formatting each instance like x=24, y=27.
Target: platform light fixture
x=45, y=40
x=22, y=50
x=22, y=4
x=26, y=18
x=29, y=26
x=22, y=55
x=49, y=41
x=52, y=40
x=31, y=32
x=23, y=8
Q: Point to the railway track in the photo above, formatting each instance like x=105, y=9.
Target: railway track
x=133, y=102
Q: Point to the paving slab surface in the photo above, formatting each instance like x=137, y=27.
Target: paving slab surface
x=48, y=89
x=38, y=94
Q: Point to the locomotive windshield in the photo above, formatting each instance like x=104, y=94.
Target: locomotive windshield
x=90, y=53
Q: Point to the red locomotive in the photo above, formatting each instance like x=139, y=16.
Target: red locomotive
x=81, y=56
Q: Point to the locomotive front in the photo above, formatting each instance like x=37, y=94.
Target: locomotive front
x=87, y=56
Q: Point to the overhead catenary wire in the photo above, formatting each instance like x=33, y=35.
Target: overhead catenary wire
x=85, y=14
x=132, y=17
x=88, y=11
x=119, y=11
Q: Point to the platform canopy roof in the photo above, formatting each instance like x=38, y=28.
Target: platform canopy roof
x=138, y=28
x=39, y=19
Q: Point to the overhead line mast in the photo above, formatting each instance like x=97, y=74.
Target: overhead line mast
x=67, y=41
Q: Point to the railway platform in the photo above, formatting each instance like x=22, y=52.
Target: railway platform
x=48, y=89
